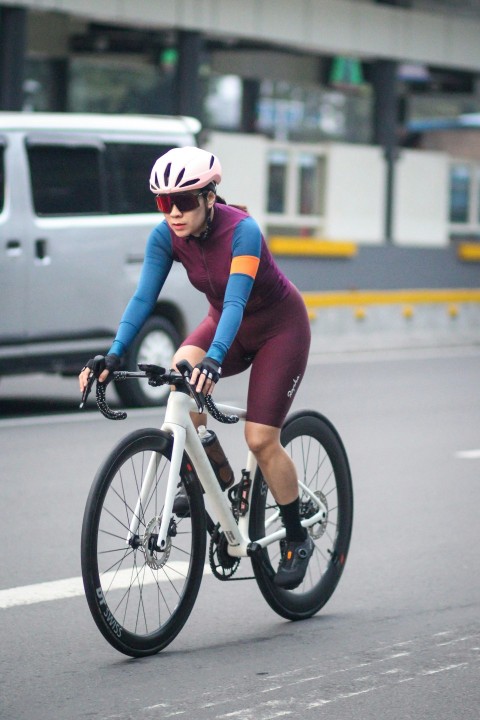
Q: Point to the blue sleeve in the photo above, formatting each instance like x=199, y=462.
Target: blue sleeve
x=247, y=240
x=156, y=266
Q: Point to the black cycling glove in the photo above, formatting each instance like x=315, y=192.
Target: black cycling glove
x=211, y=368
x=103, y=362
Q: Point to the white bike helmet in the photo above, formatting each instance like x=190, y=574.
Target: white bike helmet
x=184, y=168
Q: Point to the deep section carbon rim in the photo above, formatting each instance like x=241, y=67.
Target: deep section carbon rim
x=139, y=596
x=322, y=466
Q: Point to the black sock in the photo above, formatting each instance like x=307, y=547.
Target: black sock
x=291, y=519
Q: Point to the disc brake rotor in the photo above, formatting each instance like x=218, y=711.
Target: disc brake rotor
x=154, y=558
x=309, y=509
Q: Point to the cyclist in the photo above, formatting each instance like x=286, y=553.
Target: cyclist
x=256, y=318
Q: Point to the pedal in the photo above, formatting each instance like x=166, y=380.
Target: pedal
x=256, y=552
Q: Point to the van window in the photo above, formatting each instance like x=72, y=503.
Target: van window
x=128, y=168
x=2, y=177
x=66, y=180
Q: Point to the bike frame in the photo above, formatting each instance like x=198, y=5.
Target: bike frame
x=178, y=423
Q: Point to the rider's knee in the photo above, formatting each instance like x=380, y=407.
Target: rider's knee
x=261, y=439
x=188, y=352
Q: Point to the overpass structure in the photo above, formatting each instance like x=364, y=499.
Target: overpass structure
x=441, y=33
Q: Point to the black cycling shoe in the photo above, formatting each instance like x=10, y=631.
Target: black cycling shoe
x=294, y=562
x=181, y=506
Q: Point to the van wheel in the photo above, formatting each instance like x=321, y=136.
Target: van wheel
x=156, y=344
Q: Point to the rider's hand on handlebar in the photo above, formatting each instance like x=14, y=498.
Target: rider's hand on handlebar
x=205, y=375
x=101, y=366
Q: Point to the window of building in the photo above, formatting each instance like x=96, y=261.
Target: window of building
x=308, y=200
x=128, y=168
x=277, y=181
x=66, y=180
x=460, y=184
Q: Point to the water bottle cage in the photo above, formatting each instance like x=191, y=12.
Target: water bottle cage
x=243, y=492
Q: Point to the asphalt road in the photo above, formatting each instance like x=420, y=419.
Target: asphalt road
x=400, y=638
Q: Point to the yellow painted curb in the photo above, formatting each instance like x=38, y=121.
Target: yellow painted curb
x=282, y=245
x=470, y=252
x=389, y=297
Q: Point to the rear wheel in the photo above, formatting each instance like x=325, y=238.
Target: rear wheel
x=322, y=465
x=139, y=596
x=155, y=344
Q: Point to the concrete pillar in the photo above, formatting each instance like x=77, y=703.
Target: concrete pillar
x=59, y=92
x=385, y=118
x=386, y=115
x=13, y=22
x=187, y=88
x=250, y=99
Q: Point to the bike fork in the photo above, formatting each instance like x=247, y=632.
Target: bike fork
x=147, y=485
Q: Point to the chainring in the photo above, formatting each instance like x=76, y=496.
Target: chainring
x=223, y=565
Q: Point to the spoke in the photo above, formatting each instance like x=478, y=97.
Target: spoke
x=181, y=550
x=120, y=522
x=113, y=550
x=127, y=506
x=117, y=565
x=101, y=531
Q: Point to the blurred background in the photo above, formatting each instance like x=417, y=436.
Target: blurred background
x=350, y=129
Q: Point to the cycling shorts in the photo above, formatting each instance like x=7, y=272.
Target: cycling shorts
x=275, y=342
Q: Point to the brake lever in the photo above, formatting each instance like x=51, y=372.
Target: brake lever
x=88, y=387
x=186, y=370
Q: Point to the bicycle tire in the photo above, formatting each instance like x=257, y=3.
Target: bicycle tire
x=140, y=608
x=322, y=464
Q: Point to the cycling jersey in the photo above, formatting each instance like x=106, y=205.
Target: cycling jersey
x=256, y=316
x=233, y=268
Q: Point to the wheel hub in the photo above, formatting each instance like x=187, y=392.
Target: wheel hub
x=154, y=557
x=309, y=509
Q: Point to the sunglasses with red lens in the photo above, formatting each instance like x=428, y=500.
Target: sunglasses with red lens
x=184, y=202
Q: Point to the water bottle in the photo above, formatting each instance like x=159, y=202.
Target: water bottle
x=218, y=461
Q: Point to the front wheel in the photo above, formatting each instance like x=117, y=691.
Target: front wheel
x=139, y=596
x=322, y=465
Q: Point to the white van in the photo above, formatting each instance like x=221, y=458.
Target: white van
x=75, y=214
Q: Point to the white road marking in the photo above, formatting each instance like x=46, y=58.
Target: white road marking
x=468, y=454
x=73, y=587
x=333, y=691
x=443, y=669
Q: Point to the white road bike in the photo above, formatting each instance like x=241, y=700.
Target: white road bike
x=142, y=565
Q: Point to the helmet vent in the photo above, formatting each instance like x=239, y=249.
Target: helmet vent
x=166, y=174
x=190, y=182
x=179, y=177
x=212, y=160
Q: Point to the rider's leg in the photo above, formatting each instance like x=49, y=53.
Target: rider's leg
x=280, y=475
x=275, y=464
x=279, y=472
